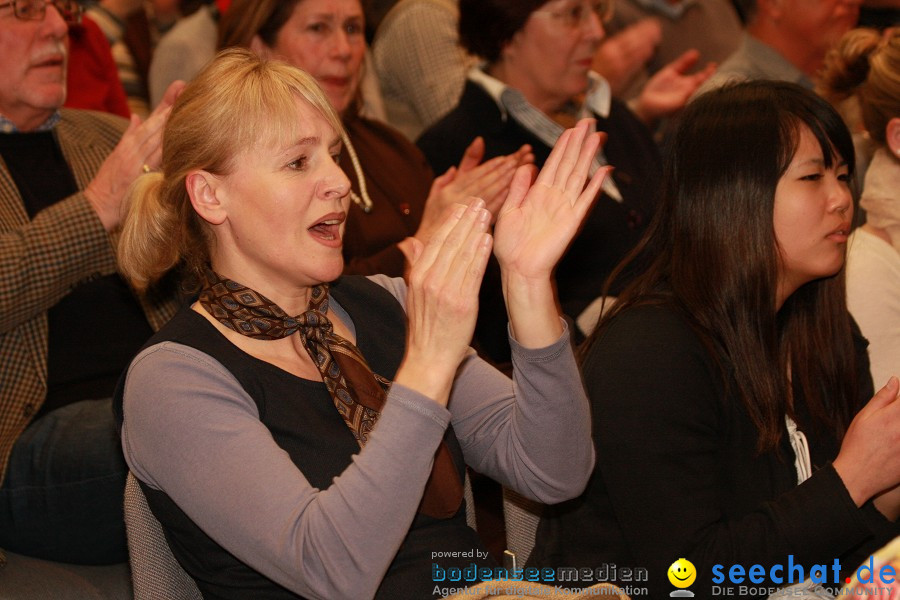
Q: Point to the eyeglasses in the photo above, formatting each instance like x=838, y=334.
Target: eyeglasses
x=576, y=14
x=36, y=10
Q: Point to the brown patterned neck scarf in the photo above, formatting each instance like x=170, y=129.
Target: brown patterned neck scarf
x=358, y=393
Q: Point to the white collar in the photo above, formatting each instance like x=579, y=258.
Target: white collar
x=598, y=98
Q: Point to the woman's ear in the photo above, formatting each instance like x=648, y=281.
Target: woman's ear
x=204, y=189
x=258, y=47
x=892, y=136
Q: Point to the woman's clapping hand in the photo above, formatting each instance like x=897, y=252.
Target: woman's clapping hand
x=869, y=460
x=536, y=225
x=488, y=180
x=442, y=299
x=537, y=222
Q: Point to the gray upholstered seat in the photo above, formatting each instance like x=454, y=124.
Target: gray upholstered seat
x=155, y=572
x=521, y=517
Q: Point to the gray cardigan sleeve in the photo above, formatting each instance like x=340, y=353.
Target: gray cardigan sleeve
x=195, y=433
x=533, y=433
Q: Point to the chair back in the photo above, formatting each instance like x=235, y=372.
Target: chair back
x=155, y=573
x=521, y=517
x=469, y=499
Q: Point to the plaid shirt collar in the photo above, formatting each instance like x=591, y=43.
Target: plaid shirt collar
x=7, y=126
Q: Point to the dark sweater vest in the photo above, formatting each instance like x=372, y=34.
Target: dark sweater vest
x=304, y=422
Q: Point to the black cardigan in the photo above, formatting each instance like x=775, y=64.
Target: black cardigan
x=678, y=475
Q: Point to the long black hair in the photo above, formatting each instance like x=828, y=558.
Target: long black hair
x=711, y=251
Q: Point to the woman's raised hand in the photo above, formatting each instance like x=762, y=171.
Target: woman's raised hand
x=537, y=222
x=487, y=180
x=442, y=299
x=670, y=88
x=536, y=225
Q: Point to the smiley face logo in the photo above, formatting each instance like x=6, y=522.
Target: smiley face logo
x=682, y=573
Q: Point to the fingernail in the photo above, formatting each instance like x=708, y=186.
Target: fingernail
x=459, y=211
x=477, y=204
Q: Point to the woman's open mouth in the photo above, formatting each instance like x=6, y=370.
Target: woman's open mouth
x=328, y=229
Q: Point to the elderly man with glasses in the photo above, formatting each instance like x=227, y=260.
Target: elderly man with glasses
x=68, y=322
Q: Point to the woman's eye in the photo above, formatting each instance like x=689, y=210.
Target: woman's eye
x=812, y=177
x=297, y=164
x=319, y=27
x=336, y=157
x=844, y=177
x=353, y=28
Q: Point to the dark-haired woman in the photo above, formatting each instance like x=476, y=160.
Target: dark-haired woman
x=729, y=385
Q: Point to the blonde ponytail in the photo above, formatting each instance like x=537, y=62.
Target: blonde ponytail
x=146, y=250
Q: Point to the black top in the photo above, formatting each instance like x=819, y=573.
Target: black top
x=94, y=330
x=678, y=475
x=304, y=422
x=610, y=230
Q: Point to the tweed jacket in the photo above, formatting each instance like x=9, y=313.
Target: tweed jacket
x=42, y=259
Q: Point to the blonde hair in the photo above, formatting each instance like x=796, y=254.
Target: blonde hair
x=866, y=65
x=239, y=101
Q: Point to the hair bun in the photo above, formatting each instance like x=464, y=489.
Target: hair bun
x=847, y=64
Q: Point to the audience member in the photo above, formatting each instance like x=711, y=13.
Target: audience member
x=422, y=66
x=866, y=66
x=536, y=79
x=395, y=197
x=70, y=324
x=332, y=482
x=729, y=384
x=787, y=41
